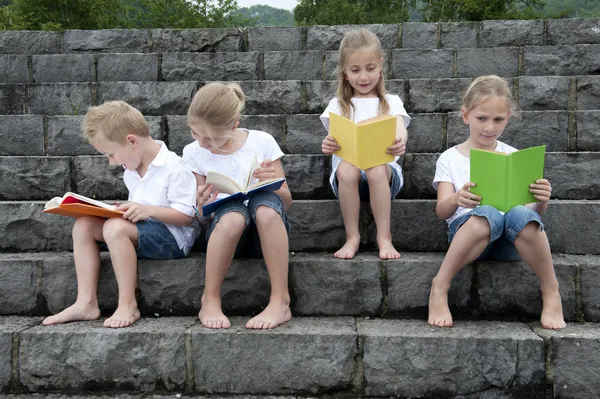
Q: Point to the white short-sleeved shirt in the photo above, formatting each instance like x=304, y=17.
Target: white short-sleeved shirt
x=169, y=183
x=365, y=108
x=236, y=165
x=453, y=167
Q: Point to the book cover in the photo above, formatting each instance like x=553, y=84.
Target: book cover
x=364, y=144
x=502, y=180
x=76, y=205
x=272, y=185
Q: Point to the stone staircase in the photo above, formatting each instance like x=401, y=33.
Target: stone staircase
x=359, y=327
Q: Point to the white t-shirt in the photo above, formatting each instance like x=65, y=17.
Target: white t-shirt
x=236, y=165
x=169, y=183
x=365, y=108
x=453, y=167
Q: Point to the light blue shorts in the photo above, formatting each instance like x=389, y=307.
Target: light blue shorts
x=363, y=185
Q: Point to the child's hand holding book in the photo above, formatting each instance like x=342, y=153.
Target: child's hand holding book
x=541, y=190
x=134, y=212
x=465, y=198
x=329, y=145
x=265, y=172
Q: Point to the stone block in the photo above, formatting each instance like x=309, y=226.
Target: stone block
x=582, y=59
x=419, y=35
x=329, y=37
x=318, y=94
x=10, y=325
x=435, y=95
x=307, y=176
x=106, y=41
x=85, y=356
x=272, y=124
x=511, y=33
x=409, y=358
x=425, y=63
x=320, y=281
x=409, y=282
x=575, y=361
x=50, y=68
x=512, y=290
x=95, y=178
x=179, y=133
x=316, y=225
x=275, y=361
x=528, y=129
x=543, y=93
x=211, y=66
x=151, y=98
x=30, y=42
x=12, y=99
x=425, y=133
x=274, y=39
x=33, y=178
x=273, y=97
x=18, y=285
x=573, y=175
x=23, y=135
x=474, y=62
x=590, y=285
x=573, y=31
x=588, y=92
x=419, y=171
x=197, y=40
x=411, y=220
x=588, y=130
x=127, y=67
x=332, y=60
x=14, y=69
x=304, y=134
x=569, y=229
x=59, y=98
x=293, y=65
x=459, y=34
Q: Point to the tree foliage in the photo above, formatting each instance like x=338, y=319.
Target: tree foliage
x=479, y=10
x=572, y=8
x=260, y=15
x=338, y=12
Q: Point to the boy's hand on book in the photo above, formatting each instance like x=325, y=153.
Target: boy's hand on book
x=466, y=198
x=541, y=190
x=397, y=148
x=134, y=212
x=329, y=145
x=265, y=172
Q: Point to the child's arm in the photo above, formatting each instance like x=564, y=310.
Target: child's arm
x=273, y=169
x=541, y=190
x=448, y=200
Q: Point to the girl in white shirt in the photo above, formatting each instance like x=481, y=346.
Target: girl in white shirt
x=361, y=95
x=258, y=227
x=483, y=232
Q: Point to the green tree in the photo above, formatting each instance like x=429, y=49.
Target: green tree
x=479, y=10
x=338, y=12
x=261, y=15
x=572, y=9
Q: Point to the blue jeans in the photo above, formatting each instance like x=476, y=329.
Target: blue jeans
x=504, y=228
x=363, y=185
x=249, y=244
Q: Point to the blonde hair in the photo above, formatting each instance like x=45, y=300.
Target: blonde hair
x=218, y=105
x=354, y=40
x=113, y=121
x=485, y=87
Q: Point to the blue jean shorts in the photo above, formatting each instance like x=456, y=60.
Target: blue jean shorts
x=249, y=244
x=504, y=228
x=363, y=185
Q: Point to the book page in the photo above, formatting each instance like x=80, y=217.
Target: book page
x=265, y=182
x=222, y=183
x=525, y=167
x=251, y=181
x=373, y=139
x=343, y=131
x=53, y=203
x=489, y=173
x=73, y=198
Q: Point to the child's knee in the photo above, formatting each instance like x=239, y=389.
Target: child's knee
x=266, y=215
x=115, y=229
x=348, y=173
x=377, y=173
x=530, y=231
x=478, y=227
x=232, y=223
x=84, y=225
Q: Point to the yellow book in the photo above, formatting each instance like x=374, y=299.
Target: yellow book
x=364, y=144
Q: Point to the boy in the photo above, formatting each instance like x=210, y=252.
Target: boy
x=157, y=220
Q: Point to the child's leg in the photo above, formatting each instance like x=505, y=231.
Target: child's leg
x=532, y=243
x=86, y=232
x=379, y=192
x=348, y=177
x=121, y=237
x=224, y=234
x=483, y=225
x=267, y=211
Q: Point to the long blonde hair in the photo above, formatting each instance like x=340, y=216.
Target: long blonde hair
x=484, y=87
x=354, y=40
x=218, y=105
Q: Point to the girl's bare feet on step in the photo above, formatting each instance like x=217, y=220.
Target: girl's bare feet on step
x=439, y=312
x=211, y=315
x=387, y=250
x=349, y=249
x=79, y=311
x=274, y=315
x=124, y=316
x=552, y=314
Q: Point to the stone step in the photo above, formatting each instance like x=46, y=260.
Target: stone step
x=320, y=285
x=288, y=96
x=317, y=225
x=307, y=356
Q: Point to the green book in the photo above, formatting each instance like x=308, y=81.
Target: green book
x=502, y=180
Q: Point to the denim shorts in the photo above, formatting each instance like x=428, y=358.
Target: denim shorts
x=363, y=185
x=249, y=244
x=504, y=228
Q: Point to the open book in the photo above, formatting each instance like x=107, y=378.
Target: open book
x=502, y=180
x=76, y=205
x=364, y=144
x=225, y=184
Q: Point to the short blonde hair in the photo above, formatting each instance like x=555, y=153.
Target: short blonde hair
x=218, y=105
x=113, y=121
x=484, y=87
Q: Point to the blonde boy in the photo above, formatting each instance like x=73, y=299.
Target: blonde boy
x=158, y=217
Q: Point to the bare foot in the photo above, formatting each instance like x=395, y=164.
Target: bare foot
x=552, y=314
x=211, y=315
x=77, y=311
x=387, y=251
x=124, y=316
x=349, y=249
x=439, y=312
x=273, y=316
